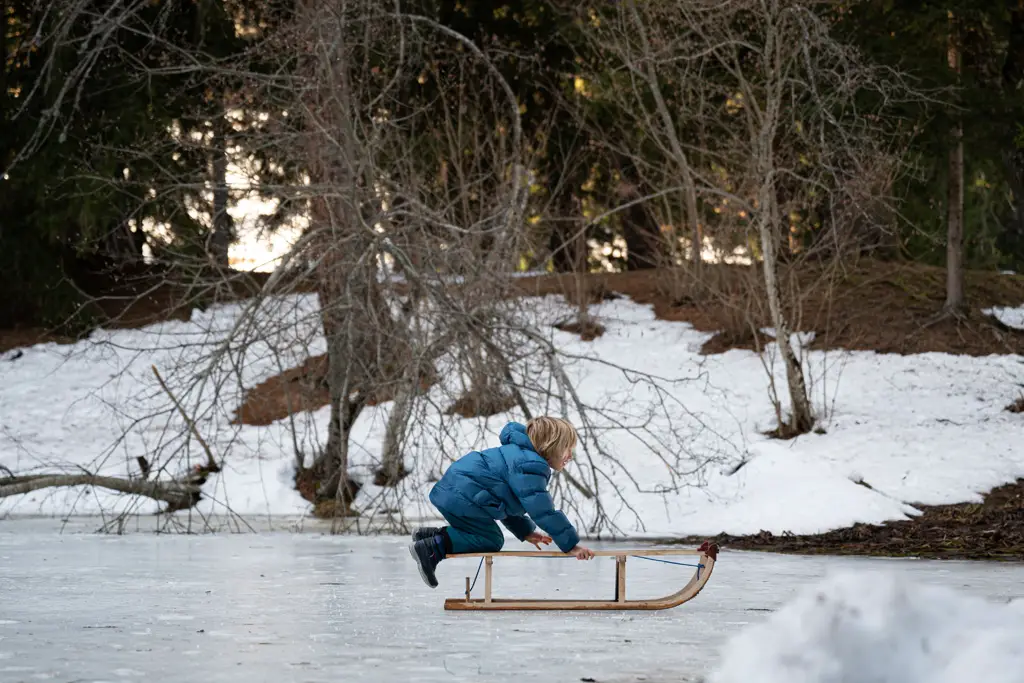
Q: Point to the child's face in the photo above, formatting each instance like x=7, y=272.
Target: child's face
x=563, y=460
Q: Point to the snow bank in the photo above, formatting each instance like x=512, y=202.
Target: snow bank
x=1011, y=317
x=868, y=627
x=926, y=429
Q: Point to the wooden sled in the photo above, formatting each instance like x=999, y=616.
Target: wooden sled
x=706, y=554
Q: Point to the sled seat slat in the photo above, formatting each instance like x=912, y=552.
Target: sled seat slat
x=598, y=553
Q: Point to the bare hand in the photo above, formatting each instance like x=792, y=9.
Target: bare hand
x=536, y=538
x=582, y=553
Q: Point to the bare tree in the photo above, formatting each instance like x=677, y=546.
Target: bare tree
x=659, y=104
x=414, y=202
x=774, y=107
x=647, y=70
x=811, y=156
x=802, y=143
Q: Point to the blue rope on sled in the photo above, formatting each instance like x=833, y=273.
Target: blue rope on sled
x=656, y=559
x=699, y=566
x=477, y=575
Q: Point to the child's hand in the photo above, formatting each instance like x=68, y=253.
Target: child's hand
x=582, y=553
x=536, y=538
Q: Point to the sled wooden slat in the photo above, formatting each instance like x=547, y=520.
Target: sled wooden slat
x=620, y=578
x=653, y=552
x=707, y=555
x=487, y=579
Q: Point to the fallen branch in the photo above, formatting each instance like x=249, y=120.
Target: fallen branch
x=180, y=493
x=16, y=479
x=177, y=494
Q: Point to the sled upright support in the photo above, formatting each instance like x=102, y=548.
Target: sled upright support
x=706, y=555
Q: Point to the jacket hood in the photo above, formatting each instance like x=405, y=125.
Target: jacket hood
x=514, y=433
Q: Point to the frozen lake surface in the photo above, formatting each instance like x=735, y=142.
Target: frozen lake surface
x=305, y=607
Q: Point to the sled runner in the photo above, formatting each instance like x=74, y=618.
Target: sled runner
x=706, y=555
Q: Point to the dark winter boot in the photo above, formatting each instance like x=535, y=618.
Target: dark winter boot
x=426, y=532
x=428, y=553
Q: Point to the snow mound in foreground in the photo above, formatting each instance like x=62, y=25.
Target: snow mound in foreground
x=878, y=628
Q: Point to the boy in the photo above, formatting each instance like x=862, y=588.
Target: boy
x=504, y=483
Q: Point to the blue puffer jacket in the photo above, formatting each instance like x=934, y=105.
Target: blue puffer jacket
x=506, y=483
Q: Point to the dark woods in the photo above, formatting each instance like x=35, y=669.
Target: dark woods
x=645, y=129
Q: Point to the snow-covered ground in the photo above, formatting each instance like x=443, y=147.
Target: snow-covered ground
x=875, y=627
x=1014, y=317
x=319, y=609
x=917, y=429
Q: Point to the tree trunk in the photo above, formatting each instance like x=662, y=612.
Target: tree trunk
x=802, y=418
x=1011, y=240
x=332, y=466
x=3, y=79
x=344, y=286
x=955, y=226
x=582, y=286
x=223, y=227
x=345, y=267
x=636, y=230
x=562, y=228
x=392, y=468
x=955, y=198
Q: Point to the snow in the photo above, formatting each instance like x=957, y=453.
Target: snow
x=899, y=430
x=1011, y=317
x=224, y=608
x=875, y=627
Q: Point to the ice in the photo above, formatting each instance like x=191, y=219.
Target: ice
x=277, y=606
x=873, y=627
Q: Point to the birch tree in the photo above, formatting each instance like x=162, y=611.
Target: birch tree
x=792, y=127
x=811, y=140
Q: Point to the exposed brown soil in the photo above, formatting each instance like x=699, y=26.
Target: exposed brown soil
x=306, y=482
x=1017, y=406
x=744, y=338
x=481, y=406
x=990, y=530
x=888, y=307
x=382, y=478
x=881, y=306
x=299, y=389
x=130, y=301
x=588, y=330
x=296, y=390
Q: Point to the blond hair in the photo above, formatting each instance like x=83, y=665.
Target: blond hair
x=551, y=436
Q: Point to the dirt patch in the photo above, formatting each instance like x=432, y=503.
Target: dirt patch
x=143, y=296
x=588, y=330
x=384, y=478
x=472, y=405
x=990, y=530
x=1017, y=406
x=296, y=390
x=307, y=482
x=872, y=305
x=888, y=307
x=727, y=340
x=301, y=389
